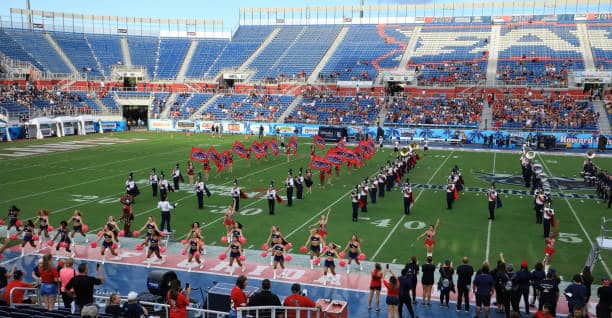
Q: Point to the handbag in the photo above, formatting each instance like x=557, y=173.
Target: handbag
x=499, y=202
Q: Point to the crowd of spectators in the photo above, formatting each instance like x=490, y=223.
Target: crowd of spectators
x=435, y=111
x=333, y=110
x=260, y=108
x=551, y=112
x=43, y=102
x=431, y=74
x=533, y=71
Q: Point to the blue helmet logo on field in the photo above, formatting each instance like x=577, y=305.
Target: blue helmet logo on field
x=559, y=183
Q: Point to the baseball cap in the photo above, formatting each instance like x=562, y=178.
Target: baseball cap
x=17, y=274
x=132, y=295
x=524, y=264
x=605, y=281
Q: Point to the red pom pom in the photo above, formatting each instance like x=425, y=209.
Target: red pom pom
x=265, y=247
x=342, y=263
x=19, y=223
x=341, y=254
x=94, y=244
x=183, y=242
x=35, y=237
x=196, y=254
x=85, y=228
x=63, y=244
x=1, y=222
x=136, y=233
x=316, y=261
x=121, y=233
x=13, y=236
x=184, y=252
x=242, y=258
x=288, y=258
x=361, y=257
x=224, y=239
x=49, y=243
x=243, y=240
x=114, y=246
x=303, y=249
x=222, y=256
x=325, y=249
x=289, y=245
x=264, y=254
x=50, y=228
x=201, y=243
x=162, y=249
x=100, y=233
x=139, y=247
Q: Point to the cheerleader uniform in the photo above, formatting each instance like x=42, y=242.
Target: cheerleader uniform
x=329, y=263
x=353, y=255
x=315, y=248
x=279, y=249
x=234, y=251
x=28, y=234
x=63, y=238
x=206, y=165
x=108, y=240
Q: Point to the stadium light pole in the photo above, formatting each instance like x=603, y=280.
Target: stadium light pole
x=29, y=14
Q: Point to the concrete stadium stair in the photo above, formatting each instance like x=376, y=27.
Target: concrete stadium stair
x=263, y=45
x=204, y=106
x=330, y=52
x=125, y=50
x=414, y=38
x=493, y=55
x=294, y=103
x=187, y=60
x=61, y=53
x=603, y=122
x=168, y=105
x=486, y=117
x=585, y=47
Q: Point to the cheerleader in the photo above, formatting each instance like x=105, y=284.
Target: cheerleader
x=312, y=151
x=229, y=218
x=77, y=225
x=248, y=157
x=108, y=238
x=549, y=251
x=13, y=217
x=282, y=142
x=308, y=181
x=154, y=241
x=28, y=235
x=235, y=252
x=236, y=232
x=193, y=249
x=329, y=176
x=354, y=249
x=190, y=172
x=230, y=163
x=126, y=215
x=322, y=179
x=329, y=265
x=206, y=168
x=195, y=231
x=321, y=225
x=278, y=257
x=112, y=225
x=151, y=227
x=275, y=237
x=430, y=238
x=64, y=238
x=315, y=243
x=43, y=223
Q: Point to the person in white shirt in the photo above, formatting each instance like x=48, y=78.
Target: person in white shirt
x=549, y=215
x=153, y=180
x=131, y=187
x=176, y=177
x=492, y=198
x=408, y=198
x=450, y=193
x=289, y=184
x=164, y=186
x=165, y=208
x=235, y=193
x=271, y=195
x=200, y=188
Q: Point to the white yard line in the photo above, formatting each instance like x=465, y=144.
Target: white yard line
x=494, y=157
x=380, y=247
x=488, y=241
x=577, y=219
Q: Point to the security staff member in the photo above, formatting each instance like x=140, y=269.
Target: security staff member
x=450, y=193
x=289, y=183
x=355, y=205
x=200, y=189
x=492, y=197
x=154, y=180
x=408, y=197
x=271, y=195
x=235, y=193
x=165, y=208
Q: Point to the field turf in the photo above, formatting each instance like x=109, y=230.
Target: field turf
x=92, y=180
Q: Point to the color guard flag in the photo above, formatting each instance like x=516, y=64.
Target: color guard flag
x=198, y=154
x=365, y=149
x=319, y=163
x=279, y=199
x=258, y=149
x=273, y=146
x=319, y=141
x=358, y=157
x=293, y=144
x=225, y=157
x=348, y=155
x=334, y=158
x=238, y=149
x=341, y=143
x=216, y=158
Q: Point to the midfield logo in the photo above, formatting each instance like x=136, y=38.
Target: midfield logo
x=559, y=183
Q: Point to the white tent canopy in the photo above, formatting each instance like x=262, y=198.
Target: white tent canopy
x=36, y=122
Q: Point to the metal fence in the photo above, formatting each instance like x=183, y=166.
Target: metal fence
x=279, y=312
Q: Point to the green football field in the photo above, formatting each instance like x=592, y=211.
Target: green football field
x=92, y=179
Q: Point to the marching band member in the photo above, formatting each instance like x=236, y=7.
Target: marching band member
x=450, y=193
x=153, y=180
x=64, y=238
x=539, y=200
x=315, y=243
x=126, y=214
x=176, y=177
x=154, y=248
x=228, y=218
x=396, y=145
x=200, y=188
x=329, y=264
x=271, y=195
x=289, y=183
x=382, y=180
x=190, y=171
x=457, y=178
x=525, y=167
x=206, y=168
x=355, y=204
x=43, y=223
x=549, y=219
x=108, y=240
x=363, y=197
x=299, y=185
x=151, y=227
x=354, y=249
x=408, y=197
x=131, y=187
x=308, y=181
x=164, y=206
x=235, y=193
x=193, y=249
x=278, y=256
x=492, y=198
x=235, y=252
x=373, y=189
x=430, y=237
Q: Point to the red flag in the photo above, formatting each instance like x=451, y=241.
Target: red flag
x=216, y=158
x=198, y=154
x=293, y=144
x=273, y=146
x=243, y=195
x=238, y=149
x=358, y=157
x=334, y=158
x=225, y=157
x=320, y=163
x=279, y=199
x=341, y=143
x=319, y=141
x=365, y=149
x=456, y=194
x=257, y=149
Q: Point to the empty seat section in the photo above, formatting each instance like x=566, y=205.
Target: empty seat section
x=40, y=49
x=204, y=56
x=14, y=50
x=171, y=56
x=600, y=36
x=143, y=52
x=107, y=49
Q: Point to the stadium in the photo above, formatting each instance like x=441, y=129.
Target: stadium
x=305, y=150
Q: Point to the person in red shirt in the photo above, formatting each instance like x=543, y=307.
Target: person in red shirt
x=17, y=294
x=238, y=297
x=392, y=294
x=178, y=299
x=375, y=286
x=544, y=313
x=296, y=299
x=49, y=277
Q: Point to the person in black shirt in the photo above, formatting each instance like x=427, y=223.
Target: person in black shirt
x=521, y=290
x=405, y=286
x=549, y=291
x=427, y=280
x=604, y=307
x=264, y=298
x=446, y=283
x=537, y=275
x=132, y=309
x=483, y=289
x=464, y=280
x=413, y=272
x=83, y=285
x=575, y=294
x=113, y=308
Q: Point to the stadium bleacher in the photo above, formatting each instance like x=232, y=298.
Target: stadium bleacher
x=106, y=49
x=435, y=111
x=248, y=107
x=78, y=51
x=171, y=56
x=143, y=52
x=600, y=37
x=187, y=104
x=14, y=50
x=337, y=110
x=40, y=49
x=204, y=56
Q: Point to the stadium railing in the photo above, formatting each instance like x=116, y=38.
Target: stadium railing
x=4, y=115
x=191, y=311
x=25, y=289
x=279, y=311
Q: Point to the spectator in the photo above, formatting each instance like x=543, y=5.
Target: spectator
x=65, y=275
x=520, y=283
x=49, y=278
x=483, y=289
x=83, y=286
x=132, y=309
x=604, y=307
x=427, y=280
x=296, y=299
x=544, y=312
x=576, y=294
x=178, y=299
x=113, y=307
x=446, y=283
x=412, y=272
x=537, y=276
x=375, y=285
x=4, y=276
x=89, y=311
x=264, y=298
x=238, y=297
x=503, y=291
x=17, y=294
x=587, y=281
x=464, y=278
x=549, y=291
x=392, y=301
x=405, y=285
